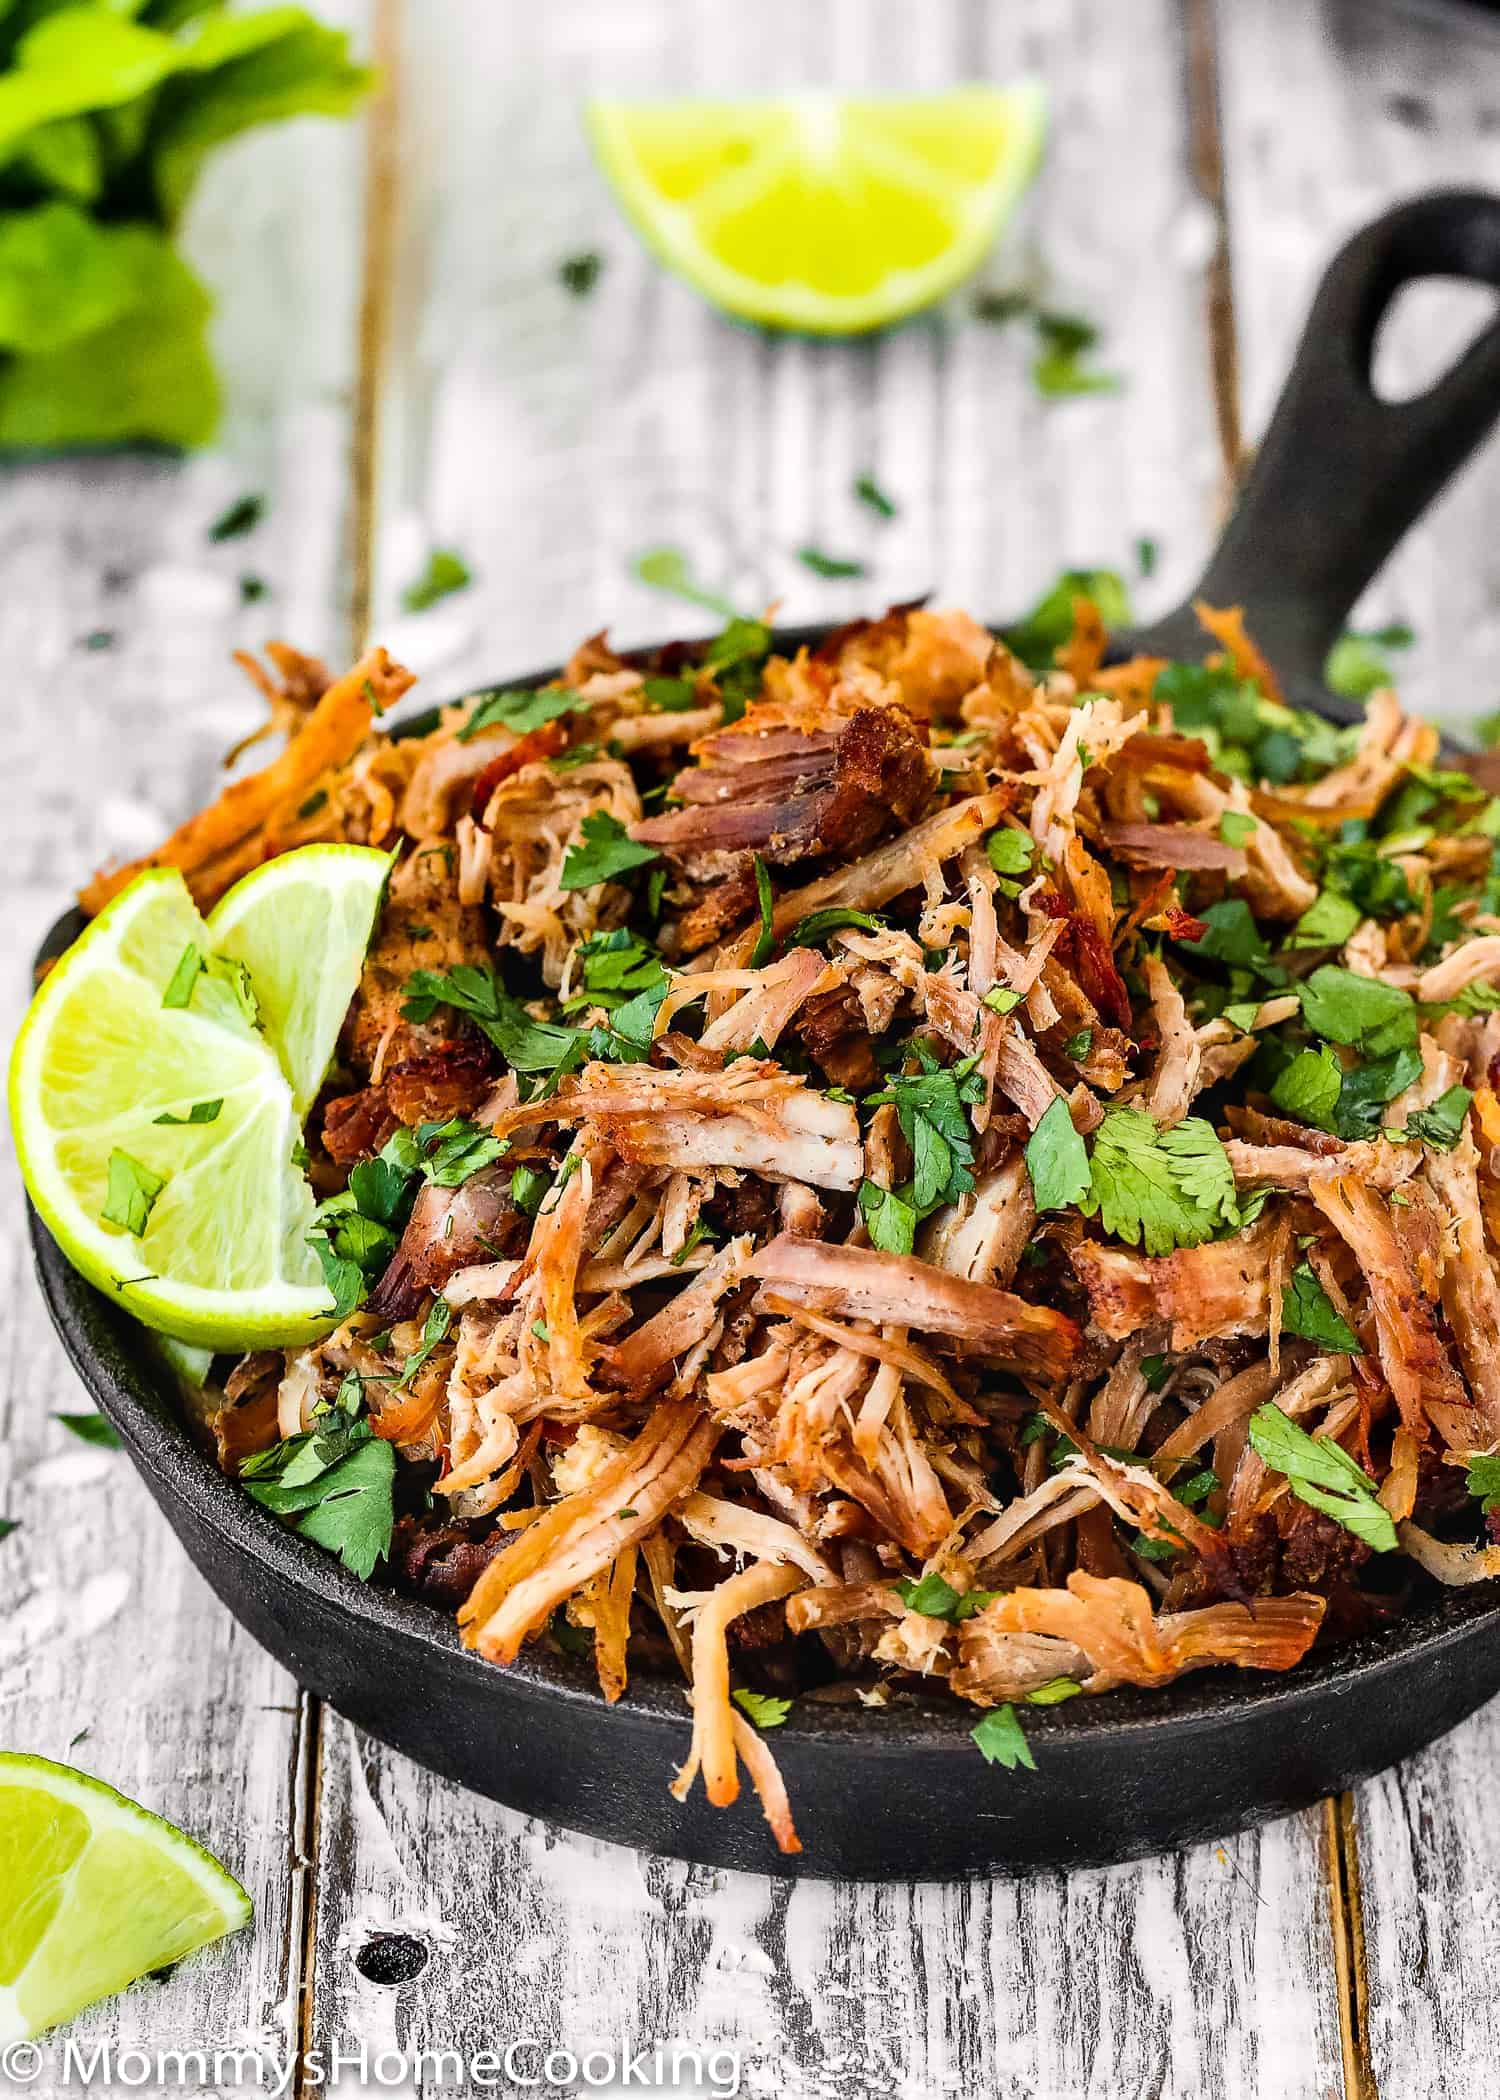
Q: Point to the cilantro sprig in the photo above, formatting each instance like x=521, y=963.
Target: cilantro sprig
x=336, y=1486
x=1321, y=1473
x=602, y=852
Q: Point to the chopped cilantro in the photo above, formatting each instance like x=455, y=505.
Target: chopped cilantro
x=1054, y=1691
x=891, y=1219
x=1484, y=1480
x=669, y=696
x=434, y=1330
x=1059, y=369
x=200, y=1112
x=1010, y=853
x=936, y=1598
x=336, y=1487
x=819, y=924
x=1369, y=1086
x=8, y=1525
x=668, y=569
x=1356, y=664
x=830, y=566
x=317, y=800
x=1363, y=1012
x=1078, y=1046
x=1057, y=1160
x=519, y=710
x=1327, y=923
x=736, y=660
x=1307, y=1309
x=1235, y=827
x=1308, y=1089
x=870, y=493
x=1231, y=935
x=91, y=1429
x=528, y=1185
x=252, y=589
x=1321, y=1473
x=454, y=1150
x=1146, y=554
x=579, y=274
x=1000, y=999
x=602, y=852
x=930, y=1106
x=1156, y=1370
x=445, y=573
x=525, y=1044
x=179, y=989
x=1160, y=1188
x=1001, y=1740
x=1441, y=1125
x=132, y=1191
x=1048, y=625
x=760, y=954
x=764, y=1710
x=240, y=518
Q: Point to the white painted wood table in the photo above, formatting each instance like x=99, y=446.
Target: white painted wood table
x=406, y=370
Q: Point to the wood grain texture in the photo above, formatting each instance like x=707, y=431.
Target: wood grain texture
x=550, y=440
x=117, y=621
x=1389, y=101
x=1333, y=111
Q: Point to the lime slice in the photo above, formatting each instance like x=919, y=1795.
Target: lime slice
x=97, y=1892
x=112, y=1100
x=820, y=213
x=301, y=925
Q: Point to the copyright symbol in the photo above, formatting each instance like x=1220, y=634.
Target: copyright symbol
x=21, y=2063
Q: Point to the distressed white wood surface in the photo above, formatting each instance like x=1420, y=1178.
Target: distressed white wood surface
x=550, y=440
x=114, y=1655
x=1391, y=100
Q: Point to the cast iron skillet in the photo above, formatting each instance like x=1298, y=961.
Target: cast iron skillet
x=901, y=1791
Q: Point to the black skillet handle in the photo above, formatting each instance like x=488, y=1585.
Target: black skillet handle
x=1341, y=474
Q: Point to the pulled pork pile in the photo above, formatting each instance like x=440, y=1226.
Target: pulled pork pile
x=889, y=1166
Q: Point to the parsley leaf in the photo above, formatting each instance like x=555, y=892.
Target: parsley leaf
x=1321, y=1473
x=1307, y=1309
x=764, y=1711
x=936, y=1598
x=603, y=852
x=760, y=954
x=1160, y=1188
x=1001, y=1740
x=1057, y=1160
x=132, y=1191
x=519, y=709
x=445, y=573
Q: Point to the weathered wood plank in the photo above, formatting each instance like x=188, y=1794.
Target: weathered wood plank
x=1332, y=112
x=1368, y=104
x=549, y=440
x=117, y=621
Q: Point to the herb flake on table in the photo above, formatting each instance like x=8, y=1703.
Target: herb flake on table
x=91, y=1429
x=579, y=274
x=830, y=566
x=869, y=492
x=241, y=518
x=445, y=573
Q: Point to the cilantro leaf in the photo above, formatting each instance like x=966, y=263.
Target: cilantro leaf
x=670, y=696
x=1369, y=1086
x=241, y=517
x=519, y=709
x=528, y=1185
x=1307, y=1309
x=1327, y=923
x=764, y=1710
x=1155, y=1370
x=1441, y=1125
x=829, y=565
x=525, y=1044
x=668, y=569
x=735, y=660
x=1484, y=1480
x=179, y=989
x=1235, y=827
x=819, y=924
x=1078, y=1046
x=603, y=852
x=890, y=1218
x=454, y=1150
x=445, y=573
x=1321, y=1473
x=1000, y=1740
x=1054, y=1691
x=131, y=1193
x=1160, y=1188
x=1057, y=1160
x=760, y=954
x=869, y=492
x=91, y=1429
x=1050, y=621
x=936, y=1598
x=1356, y=665
x=1343, y=1007
x=434, y=1330
x=200, y=1112
x=1309, y=1088
x=1010, y=851
x=930, y=1106
x=347, y=1506
x=1232, y=935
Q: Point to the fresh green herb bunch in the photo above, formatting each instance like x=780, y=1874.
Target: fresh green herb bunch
x=107, y=113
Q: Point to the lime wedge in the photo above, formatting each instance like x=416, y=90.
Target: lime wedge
x=825, y=214
x=301, y=925
x=97, y=1892
x=159, y=1141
